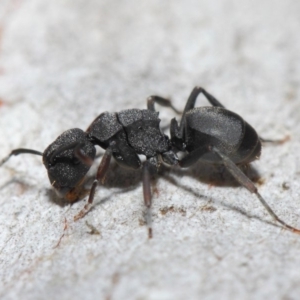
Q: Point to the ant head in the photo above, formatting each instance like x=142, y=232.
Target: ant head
x=67, y=161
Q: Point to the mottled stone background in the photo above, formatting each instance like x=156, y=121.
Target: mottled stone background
x=64, y=62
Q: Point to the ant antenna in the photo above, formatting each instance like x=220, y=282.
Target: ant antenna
x=19, y=151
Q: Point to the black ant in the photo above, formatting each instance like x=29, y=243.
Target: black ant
x=210, y=134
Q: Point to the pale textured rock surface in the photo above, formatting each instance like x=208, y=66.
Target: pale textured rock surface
x=64, y=62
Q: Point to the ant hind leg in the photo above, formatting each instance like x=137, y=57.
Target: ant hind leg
x=249, y=185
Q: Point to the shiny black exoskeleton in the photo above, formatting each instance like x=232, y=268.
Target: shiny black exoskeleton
x=209, y=134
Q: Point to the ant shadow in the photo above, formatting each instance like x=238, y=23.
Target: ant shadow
x=116, y=177
x=19, y=185
x=126, y=180
x=216, y=176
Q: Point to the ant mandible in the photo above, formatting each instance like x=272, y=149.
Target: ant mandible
x=211, y=134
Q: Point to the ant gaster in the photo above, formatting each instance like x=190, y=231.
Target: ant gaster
x=212, y=134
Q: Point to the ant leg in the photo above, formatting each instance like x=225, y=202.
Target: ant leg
x=102, y=169
x=275, y=142
x=249, y=185
x=192, y=157
x=147, y=196
x=190, y=104
x=20, y=151
x=161, y=101
x=211, y=99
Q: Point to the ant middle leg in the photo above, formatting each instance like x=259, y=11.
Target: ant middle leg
x=147, y=196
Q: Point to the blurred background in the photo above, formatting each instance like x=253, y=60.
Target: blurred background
x=62, y=63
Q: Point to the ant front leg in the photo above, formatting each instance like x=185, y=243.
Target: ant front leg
x=102, y=169
x=249, y=185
